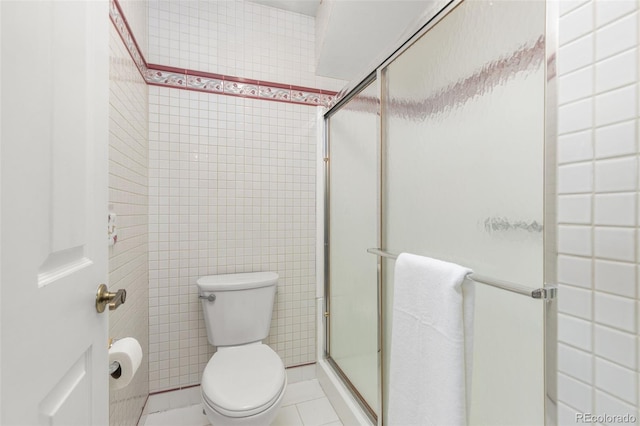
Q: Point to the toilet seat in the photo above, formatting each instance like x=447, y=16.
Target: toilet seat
x=243, y=380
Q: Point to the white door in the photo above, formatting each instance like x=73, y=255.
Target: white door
x=54, y=134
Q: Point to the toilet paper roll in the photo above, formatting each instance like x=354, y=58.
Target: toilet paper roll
x=128, y=353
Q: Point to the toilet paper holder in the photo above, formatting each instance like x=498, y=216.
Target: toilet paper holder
x=114, y=368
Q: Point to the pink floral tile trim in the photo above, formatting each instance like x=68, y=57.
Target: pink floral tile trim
x=160, y=75
x=122, y=26
x=164, y=78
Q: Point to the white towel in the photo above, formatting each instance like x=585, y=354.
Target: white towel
x=431, y=343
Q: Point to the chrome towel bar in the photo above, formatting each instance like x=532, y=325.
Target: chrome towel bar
x=546, y=293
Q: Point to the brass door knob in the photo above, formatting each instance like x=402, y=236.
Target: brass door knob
x=104, y=297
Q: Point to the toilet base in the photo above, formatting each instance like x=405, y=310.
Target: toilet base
x=263, y=418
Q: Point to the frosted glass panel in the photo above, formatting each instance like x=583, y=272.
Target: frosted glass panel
x=463, y=169
x=354, y=206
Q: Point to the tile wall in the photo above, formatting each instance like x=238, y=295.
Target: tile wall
x=128, y=198
x=232, y=189
x=598, y=213
x=232, y=180
x=236, y=38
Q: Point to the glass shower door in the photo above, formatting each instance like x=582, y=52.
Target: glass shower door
x=353, y=212
x=463, y=176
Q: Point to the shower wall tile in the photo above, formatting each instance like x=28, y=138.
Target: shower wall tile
x=578, y=54
x=576, y=24
x=612, y=10
x=616, y=140
x=574, y=240
x=620, y=174
x=232, y=189
x=619, y=70
x=575, y=116
x=618, y=381
x=128, y=198
x=616, y=346
x=615, y=209
x=617, y=105
x=614, y=243
x=575, y=209
x=575, y=178
x=575, y=147
x=575, y=86
x=616, y=278
x=575, y=271
x=575, y=363
x=599, y=163
x=619, y=35
x=578, y=393
x=575, y=332
x=575, y=301
x=615, y=311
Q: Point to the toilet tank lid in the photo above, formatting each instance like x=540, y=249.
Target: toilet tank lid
x=241, y=281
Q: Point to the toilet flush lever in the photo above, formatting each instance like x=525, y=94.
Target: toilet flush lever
x=104, y=297
x=210, y=298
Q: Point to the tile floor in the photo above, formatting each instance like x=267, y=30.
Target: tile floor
x=304, y=404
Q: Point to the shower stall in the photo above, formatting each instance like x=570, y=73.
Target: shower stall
x=447, y=150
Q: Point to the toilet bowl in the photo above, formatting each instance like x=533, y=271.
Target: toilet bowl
x=245, y=380
x=243, y=385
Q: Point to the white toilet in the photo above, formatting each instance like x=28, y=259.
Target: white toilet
x=244, y=381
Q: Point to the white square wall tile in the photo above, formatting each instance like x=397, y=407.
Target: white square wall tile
x=575, y=363
x=615, y=345
x=575, y=116
x=606, y=403
x=616, y=175
x=574, y=301
x=575, y=147
x=567, y=6
x=575, y=55
x=609, y=11
x=617, y=36
x=615, y=311
x=615, y=209
x=575, y=332
x=614, y=243
x=575, y=393
x=617, y=71
x=615, y=277
x=575, y=178
x=574, y=209
x=566, y=414
x=575, y=271
x=576, y=24
x=617, y=105
x=576, y=85
x=616, y=140
x=617, y=380
x=574, y=240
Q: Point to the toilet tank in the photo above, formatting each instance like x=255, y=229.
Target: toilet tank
x=241, y=311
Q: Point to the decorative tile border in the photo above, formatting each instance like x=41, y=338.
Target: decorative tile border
x=122, y=26
x=160, y=75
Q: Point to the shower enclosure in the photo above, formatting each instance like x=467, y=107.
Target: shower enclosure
x=446, y=151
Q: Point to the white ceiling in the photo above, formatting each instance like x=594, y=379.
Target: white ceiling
x=354, y=35
x=305, y=7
